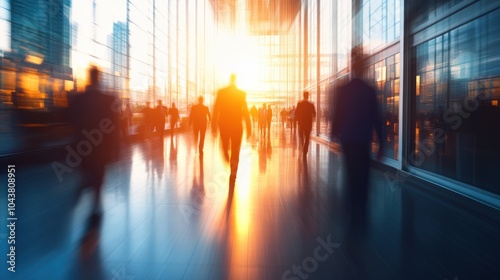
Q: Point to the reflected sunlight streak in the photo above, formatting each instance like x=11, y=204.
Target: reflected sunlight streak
x=243, y=196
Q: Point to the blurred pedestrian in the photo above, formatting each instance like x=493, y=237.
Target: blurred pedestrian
x=230, y=110
x=97, y=132
x=198, y=118
x=174, y=119
x=284, y=116
x=262, y=121
x=147, y=121
x=293, y=120
x=355, y=117
x=254, y=113
x=269, y=119
x=127, y=118
x=304, y=115
x=161, y=112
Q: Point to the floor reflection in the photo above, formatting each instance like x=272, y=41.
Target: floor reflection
x=179, y=219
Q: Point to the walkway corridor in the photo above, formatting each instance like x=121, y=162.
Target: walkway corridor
x=169, y=215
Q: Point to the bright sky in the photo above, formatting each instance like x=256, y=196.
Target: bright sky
x=4, y=25
x=236, y=52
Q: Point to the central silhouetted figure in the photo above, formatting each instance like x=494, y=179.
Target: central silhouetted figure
x=95, y=116
x=198, y=118
x=230, y=110
x=304, y=115
x=356, y=115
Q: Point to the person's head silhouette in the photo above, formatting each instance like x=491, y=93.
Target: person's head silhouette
x=232, y=79
x=358, y=61
x=94, y=76
x=306, y=95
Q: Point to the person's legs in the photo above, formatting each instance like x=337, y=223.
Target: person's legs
x=202, y=138
x=161, y=128
x=235, y=154
x=357, y=159
x=306, y=134
x=224, y=138
x=94, y=174
x=301, y=138
x=99, y=173
x=195, y=134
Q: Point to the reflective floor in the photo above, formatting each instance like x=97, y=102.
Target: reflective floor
x=170, y=215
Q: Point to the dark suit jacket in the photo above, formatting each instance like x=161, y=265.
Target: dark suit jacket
x=95, y=118
x=357, y=114
x=305, y=114
x=199, y=116
x=174, y=115
x=230, y=109
x=160, y=113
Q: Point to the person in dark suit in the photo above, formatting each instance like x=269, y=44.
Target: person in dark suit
x=262, y=121
x=269, y=119
x=174, y=119
x=198, y=118
x=304, y=115
x=355, y=116
x=147, y=121
x=230, y=110
x=161, y=112
x=96, y=120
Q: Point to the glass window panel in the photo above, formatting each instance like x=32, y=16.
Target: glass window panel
x=456, y=119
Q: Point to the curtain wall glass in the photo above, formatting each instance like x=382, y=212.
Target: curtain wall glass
x=455, y=127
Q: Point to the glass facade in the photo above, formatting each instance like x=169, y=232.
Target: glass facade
x=147, y=50
x=435, y=66
x=455, y=125
x=443, y=75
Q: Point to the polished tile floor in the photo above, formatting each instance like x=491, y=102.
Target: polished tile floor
x=170, y=215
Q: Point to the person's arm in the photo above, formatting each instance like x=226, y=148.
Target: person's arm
x=298, y=112
x=337, y=115
x=377, y=122
x=246, y=116
x=215, y=114
x=191, y=115
x=207, y=115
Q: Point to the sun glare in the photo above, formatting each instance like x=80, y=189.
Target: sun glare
x=238, y=54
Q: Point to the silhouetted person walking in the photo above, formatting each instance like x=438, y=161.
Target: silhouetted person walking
x=269, y=119
x=304, y=115
x=96, y=120
x=174, y=118
x=254, y=113
x=230, y=110
x=262, y=121
x=147, y=120
x=293, y=120
x=127, y=118
x=198, y=118
x=355, y=117
x=284, y=116
x=161, y=112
